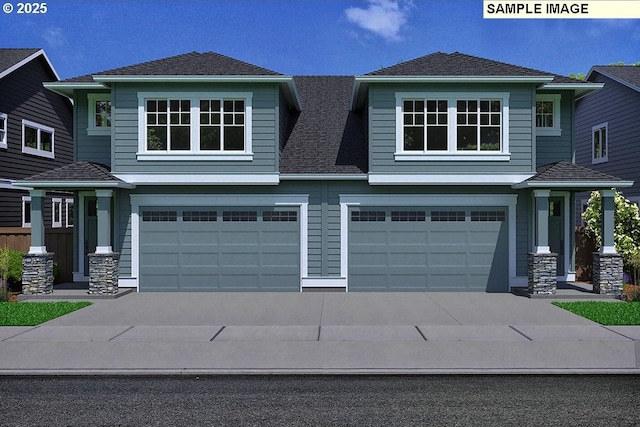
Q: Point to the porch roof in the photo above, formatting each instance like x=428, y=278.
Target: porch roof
x=567, y=175
x=78, y=175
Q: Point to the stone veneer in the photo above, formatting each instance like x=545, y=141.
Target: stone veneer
x=37, y=273
x=607, y=273
x=103, y=273
x=542, y=269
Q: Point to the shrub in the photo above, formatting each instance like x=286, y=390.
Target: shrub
x=10, y=266
x=631, y=292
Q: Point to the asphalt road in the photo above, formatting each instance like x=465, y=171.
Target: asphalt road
x=320, y=401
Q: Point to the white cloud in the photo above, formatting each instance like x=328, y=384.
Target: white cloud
x=54, y=38
x=384, y=18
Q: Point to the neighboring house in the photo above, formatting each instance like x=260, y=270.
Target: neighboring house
x=201, y=172
x=608, y=127
x=35, y=135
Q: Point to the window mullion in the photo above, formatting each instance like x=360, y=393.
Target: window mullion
x=194, y=125
x=452, y=139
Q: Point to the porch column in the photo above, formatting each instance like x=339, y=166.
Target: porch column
x=37, y=222
x=542, y=264
x=104, y=263
x=607, y=263
x=104, y=222
x=37, y=265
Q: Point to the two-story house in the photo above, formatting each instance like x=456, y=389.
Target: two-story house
x=35, y=136
x=608, y=126
x=447, y=172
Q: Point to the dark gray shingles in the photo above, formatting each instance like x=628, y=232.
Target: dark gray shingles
x=10, y=56
x=79, y=171
x=627, y=73
x=326, y=137
x=564, y=171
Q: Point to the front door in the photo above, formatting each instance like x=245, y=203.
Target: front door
x=90, y=230
x=556, y=231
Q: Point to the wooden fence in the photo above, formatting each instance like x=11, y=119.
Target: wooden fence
x=58, y=240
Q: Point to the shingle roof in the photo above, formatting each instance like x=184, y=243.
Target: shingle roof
x=460, y=64
x=326, y=137
x=79, y=171
x=188, y=64
x=564, y=171
x=10, y=57
x=627, y=73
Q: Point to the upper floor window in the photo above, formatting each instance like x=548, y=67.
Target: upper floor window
x=548, y=115
x=447, y=126
x=99, y=114
x=3, y=130
x=195, y=126
x=600, y=143
x=37, y=139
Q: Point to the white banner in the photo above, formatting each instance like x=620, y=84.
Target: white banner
x=546, y=9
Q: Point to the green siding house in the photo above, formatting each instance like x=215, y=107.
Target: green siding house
x=200, y=172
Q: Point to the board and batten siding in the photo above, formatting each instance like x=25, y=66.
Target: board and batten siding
x=265, y=140
x=382, y=128
x=619, y=106
x=92, y=148
x=550, y=149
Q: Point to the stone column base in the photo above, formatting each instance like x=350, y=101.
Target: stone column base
x=37, y=273
x=607, y=273
x=103, y=273
x=542, y=269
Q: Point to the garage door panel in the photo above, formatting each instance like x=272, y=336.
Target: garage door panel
x=218, y=248
x=451, y=249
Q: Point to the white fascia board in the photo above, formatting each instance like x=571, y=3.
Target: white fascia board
x=462, y=179
x=105, y=78
x=323, y=177
x=209, y=179
x=573, y=184
x=581, y=89
x=454, y=79
x=29, y=59
x=60, y=185
x=66, y=89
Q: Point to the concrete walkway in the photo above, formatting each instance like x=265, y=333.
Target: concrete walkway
x=220, y=333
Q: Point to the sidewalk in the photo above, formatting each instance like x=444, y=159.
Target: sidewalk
x=325, y=333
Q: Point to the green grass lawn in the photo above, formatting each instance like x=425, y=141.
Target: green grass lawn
x=35, y=313
x=605, y=313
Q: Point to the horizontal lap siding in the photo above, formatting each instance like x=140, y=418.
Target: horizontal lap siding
x=22, y=97
x=620, y=107
x=551, y=149
x=264, y=131
x=93, y=148
x=383, y=131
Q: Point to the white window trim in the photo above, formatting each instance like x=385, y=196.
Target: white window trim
x=92, y=129
x=3, y=140
x=194, y=153
x=603, y=159
x=67, y=204
x=452, y=154
x=555, y=130
x=39, y=128
x=25, y=200
x=56, y=222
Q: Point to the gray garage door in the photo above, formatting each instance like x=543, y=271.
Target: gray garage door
x=219, y=249
x=434, y=249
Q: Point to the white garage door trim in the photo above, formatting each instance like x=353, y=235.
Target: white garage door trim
x=347, y=201
x=138, y=200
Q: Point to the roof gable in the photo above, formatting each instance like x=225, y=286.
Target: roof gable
x=628, y=75
x=11, y=59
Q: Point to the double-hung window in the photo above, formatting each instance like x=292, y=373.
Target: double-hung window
x=3, y=130
x=99, y=114
x=452, y=126
x=548, y=115
x=202, y=126
x=37, y=139
x=600, y=143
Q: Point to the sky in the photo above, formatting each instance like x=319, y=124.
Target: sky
x=310, y=37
